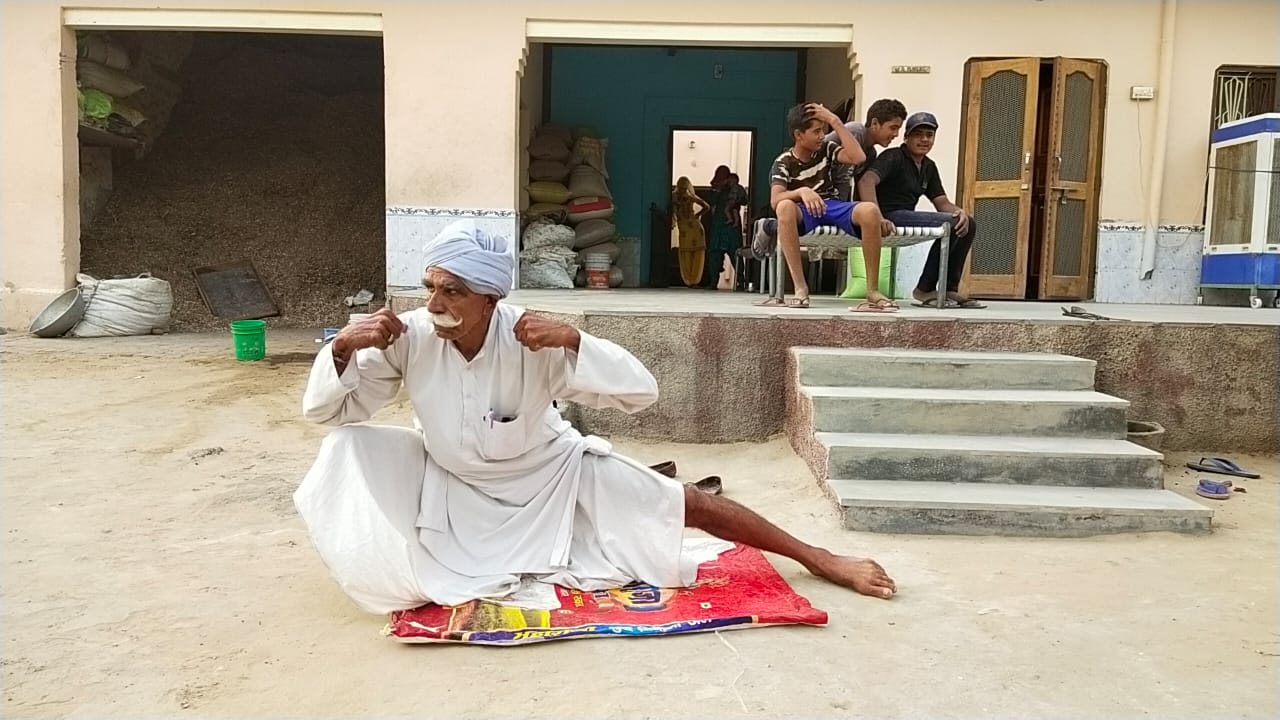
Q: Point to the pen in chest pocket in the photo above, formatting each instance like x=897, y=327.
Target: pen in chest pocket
x=496, y=419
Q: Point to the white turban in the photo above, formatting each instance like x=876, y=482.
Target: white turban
x=479, y=259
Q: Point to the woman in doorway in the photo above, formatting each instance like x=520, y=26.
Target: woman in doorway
x=686, y=206
x=726, y=226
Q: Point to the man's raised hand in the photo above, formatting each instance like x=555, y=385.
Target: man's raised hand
x=379, y=330
x=539, y=333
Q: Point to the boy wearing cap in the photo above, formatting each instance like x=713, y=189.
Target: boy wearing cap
x=896, y=182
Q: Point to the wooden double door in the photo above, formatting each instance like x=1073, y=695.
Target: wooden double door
x=1029, y=167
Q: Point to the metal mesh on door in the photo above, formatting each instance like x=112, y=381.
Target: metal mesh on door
x=1068, y=238
x=1077, y=127
x=1000, y=126
x=995, y=251
x=1233, y=194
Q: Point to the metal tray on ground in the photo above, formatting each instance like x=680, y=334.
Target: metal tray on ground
x=235, y=291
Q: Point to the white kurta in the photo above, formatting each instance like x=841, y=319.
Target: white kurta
x=496, y=484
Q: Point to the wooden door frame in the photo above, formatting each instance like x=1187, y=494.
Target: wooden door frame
x=1093, y=218
x=1092, y=191
x=1089, y=263
x=967, y=188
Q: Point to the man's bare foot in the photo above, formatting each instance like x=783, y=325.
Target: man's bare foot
x=860, y=574
x=923, y=297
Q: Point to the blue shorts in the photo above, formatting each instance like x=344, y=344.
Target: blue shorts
x=839, y=213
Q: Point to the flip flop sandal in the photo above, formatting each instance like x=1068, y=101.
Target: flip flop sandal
x=969, y=304
x=667, y=468
x=949, y=304
x=798, y=303
x=770, y=302
x=1222, y=466
x=1214, y=490
x=710, y=485
x=867, y=307
x=1081, y=314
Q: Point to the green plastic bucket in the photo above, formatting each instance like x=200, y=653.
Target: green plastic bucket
x=250, y=338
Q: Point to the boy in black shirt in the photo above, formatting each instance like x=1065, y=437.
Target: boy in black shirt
x=897, y=180
x=803, y=194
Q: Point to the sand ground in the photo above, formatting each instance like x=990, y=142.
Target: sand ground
x=154, y=566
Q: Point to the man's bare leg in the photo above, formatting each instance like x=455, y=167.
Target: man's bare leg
x=789, y=243
x=731, y=521
x=867, y=217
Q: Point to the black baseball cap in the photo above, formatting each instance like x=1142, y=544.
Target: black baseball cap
x=919, y=120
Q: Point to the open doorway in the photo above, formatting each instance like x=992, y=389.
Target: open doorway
x=238, y=146
x=653, y=91
x=716, y=163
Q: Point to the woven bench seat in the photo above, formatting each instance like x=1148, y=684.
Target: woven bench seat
x=831, y=238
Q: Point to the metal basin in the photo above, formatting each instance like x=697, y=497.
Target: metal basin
x=60, y=315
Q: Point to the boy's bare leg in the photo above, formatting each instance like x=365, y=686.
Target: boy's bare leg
x=731, y=521
x=868, y=218
x=789, y=242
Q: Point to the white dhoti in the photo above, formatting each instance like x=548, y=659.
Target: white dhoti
x=365, y=498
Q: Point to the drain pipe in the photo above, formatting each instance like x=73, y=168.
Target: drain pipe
x=1164, y=87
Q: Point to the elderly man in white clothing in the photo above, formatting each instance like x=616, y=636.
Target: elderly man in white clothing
x=494, y=486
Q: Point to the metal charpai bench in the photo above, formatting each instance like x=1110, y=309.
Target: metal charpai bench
x=831, y=238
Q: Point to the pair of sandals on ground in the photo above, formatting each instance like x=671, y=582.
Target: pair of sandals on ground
x=882, y=304
x=710, y=485
x=1220, y=489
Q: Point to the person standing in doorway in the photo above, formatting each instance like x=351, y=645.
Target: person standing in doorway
x=726, y=226
x=739, y=192
x=897, y=181
x=739, y=201
x=720, y=177
x=686, y=207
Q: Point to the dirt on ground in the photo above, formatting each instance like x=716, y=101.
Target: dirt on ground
x=154, y=566
x=274, y=154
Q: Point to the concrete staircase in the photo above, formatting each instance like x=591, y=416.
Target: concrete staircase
x=976, y=443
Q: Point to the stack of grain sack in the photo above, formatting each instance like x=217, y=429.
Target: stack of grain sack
x=126, y=93
x=571, y=211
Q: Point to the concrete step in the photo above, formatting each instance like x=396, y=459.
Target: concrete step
x=890, y=367
x=1074, y=462
x=1041, y=413
x=1017, y=510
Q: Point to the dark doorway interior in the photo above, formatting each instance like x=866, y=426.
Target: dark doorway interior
x=273, y=153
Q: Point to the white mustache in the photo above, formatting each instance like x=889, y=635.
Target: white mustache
x=445, y=320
